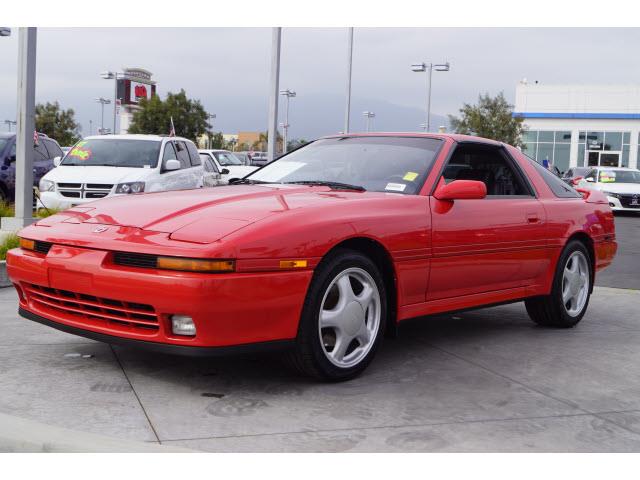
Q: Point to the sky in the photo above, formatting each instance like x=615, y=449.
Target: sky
x=227, y=69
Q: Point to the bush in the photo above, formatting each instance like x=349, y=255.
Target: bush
x=9, y=242
x=6, y=209
x=46, y=212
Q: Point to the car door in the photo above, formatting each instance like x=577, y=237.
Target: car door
x=212, y=177
x=185, y=177
x=196, y=172
x=490, y=244
x=169, y=179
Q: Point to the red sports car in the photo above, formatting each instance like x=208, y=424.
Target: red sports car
x=320, y=252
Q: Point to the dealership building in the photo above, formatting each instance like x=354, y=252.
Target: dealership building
x=580, y=125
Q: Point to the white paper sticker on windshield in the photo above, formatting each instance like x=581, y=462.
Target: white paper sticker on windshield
x=277, y=171
x=395, y=187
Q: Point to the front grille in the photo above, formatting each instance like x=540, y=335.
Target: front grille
x=140, y=260
x=85, y=190
x=626, y=200
x=70, y=194
x=93, y=310
x=95, y=194
x=42, y=247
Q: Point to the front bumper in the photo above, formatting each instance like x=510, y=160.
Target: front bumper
x=617, y=206
x=80, y=290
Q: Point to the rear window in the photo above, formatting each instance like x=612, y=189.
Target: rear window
x=558, y=187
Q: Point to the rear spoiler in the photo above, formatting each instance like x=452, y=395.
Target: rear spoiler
x=591, y=195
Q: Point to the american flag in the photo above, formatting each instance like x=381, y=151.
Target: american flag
x=172, y=130
x=35, y=137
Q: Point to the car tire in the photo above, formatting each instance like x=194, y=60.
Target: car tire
x=343, y=318
x=570, y=292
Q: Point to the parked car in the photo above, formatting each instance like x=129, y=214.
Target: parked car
x=229, y=166
x=212, y=176
x=573, y=175
x=259, y=159
x=107, y=165
x=43, y=154
x=620, y=185
x=321, y=253
x=244, y=157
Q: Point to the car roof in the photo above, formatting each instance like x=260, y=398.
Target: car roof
x=456, y=137
x=134, y=136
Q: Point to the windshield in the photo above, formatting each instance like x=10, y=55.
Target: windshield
x=114, y=153
x=619, y=176
x=381, y=164
x=227, y=158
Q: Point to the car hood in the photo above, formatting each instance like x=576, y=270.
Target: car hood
x=68, y=174
x=620, y=187
x=203, y=215
x=240, y=171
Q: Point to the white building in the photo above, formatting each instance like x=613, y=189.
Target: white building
x=580, y=125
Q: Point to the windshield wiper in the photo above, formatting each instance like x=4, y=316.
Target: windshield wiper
x=334, y=185
x=248, y=181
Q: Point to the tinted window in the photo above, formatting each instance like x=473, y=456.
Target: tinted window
x=114, y=152
x=488, y=165
x=383, y=164
x=183, y=154
x=557, y=186
x=193, y=154
x=53, y=148
x=40, y=152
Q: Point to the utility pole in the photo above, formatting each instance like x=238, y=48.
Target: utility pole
x=285, y=126
x=347, y=110
x=102, y=102
x=25, y=132
x=272, y=142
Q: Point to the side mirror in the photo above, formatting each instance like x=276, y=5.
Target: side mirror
x=9, y=160
x=171, y=165
x=461, y=190
x=56, y=161
x=224, y=171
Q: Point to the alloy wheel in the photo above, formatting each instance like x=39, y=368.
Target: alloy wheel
x=575, y=283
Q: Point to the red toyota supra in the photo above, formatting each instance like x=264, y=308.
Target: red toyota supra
x=321, y=252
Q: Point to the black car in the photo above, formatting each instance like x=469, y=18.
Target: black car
x=574, y=173
x=44, y=153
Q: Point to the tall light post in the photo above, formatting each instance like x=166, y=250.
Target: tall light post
x=368, y=116
x=347, y=110
x=102, y=102
x=428, y=68
x=285, y=126
x=272, y=140
x=108, y=75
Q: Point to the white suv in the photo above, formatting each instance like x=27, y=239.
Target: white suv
x=105, y=165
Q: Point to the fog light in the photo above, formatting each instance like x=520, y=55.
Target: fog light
x=182, y=325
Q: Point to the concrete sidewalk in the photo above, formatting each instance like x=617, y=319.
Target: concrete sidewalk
x=488, y=380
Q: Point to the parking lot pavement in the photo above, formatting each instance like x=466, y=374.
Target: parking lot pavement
x=487, y=380
x=624, y=272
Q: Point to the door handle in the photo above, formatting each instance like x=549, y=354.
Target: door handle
x=533, y=218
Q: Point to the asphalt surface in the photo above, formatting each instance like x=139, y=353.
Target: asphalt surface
x=625, y=270
x=487, y=380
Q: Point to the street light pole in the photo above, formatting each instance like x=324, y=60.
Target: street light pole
x=272, y=140
x=347, y=110
x=102, y=102
x=113, y=76
x=210, y=116
x=25, y=130
x=285, y=126
x=428, y=68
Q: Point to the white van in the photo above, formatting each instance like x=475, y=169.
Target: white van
x=105, y=165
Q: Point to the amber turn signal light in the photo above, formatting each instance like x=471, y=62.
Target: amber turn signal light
x=196, y=265
x=27, y=244
x=293, y=263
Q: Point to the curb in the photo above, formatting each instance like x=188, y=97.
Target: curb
x=22, y=435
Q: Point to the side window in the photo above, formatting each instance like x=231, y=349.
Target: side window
x=53, y=148
x=40, y=153
x=193, y=154
x=486, y=164
x=183, y=154
x=559, y=188
x=169, y=153
x=208, y=164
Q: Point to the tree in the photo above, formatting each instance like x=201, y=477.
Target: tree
x=296, y=143
x=154, y=116
x=490, y=118
x=57, y=123
x=263, y=140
